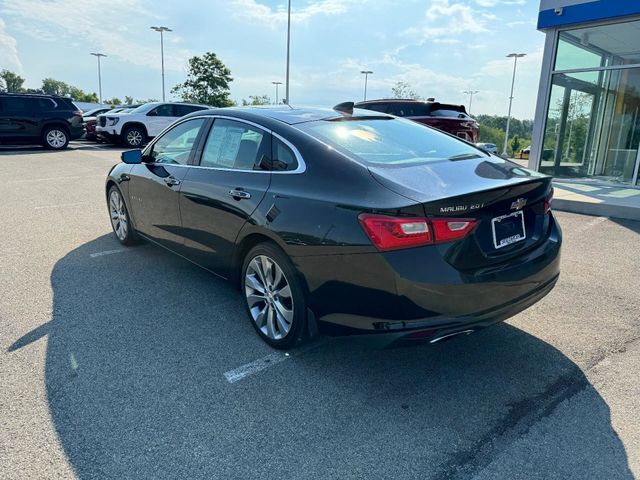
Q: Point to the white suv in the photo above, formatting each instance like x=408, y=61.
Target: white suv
x=133, y=129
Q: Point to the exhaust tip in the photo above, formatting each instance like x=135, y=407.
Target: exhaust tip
x=449, y=336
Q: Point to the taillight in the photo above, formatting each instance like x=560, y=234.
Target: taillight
x=393, y=233
x=547, y=201
x=450, y=229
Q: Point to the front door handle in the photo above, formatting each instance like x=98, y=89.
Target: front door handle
x=171, y=181
x=239, y=194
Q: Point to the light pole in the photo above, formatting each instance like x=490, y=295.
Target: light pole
x=471, y=93
x=288, y=52
x=276, y=84
x=98, y=55
x=162, y=30
x=366, y=74
x=515, y=57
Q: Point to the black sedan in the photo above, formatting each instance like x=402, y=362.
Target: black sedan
x=343, y=221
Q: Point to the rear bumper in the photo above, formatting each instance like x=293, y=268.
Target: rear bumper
x=431, y=329
x=76, y=132
x=412, y=290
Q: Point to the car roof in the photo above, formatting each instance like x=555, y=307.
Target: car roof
x=287, y=114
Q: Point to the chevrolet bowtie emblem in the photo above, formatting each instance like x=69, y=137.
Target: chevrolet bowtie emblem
x=518, y=204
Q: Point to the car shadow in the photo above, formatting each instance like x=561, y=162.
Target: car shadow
x=139, y=341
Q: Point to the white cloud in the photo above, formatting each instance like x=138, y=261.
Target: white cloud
x=109, y=30
x=8, y=50
x=276, y=17
x=503, y=67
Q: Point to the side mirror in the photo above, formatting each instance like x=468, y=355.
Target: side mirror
x=131, y=156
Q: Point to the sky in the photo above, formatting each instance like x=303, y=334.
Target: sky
x=440, y=47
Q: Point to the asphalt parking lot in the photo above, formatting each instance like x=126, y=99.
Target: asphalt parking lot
x=133, y=363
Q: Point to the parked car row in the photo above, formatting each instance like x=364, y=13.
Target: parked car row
x=49, y=120
x=53, y=121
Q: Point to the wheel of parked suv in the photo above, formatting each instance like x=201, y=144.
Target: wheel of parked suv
x=55, y=138
x=120, y=220
x=134, y=137
x=273, y=296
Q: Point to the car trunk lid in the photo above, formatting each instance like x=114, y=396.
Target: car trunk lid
x=505, y=200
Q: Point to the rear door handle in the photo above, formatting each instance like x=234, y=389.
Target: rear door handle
x=171, y=181
x=239, y=194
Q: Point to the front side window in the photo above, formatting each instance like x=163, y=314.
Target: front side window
x=390, y=142
x=15, y=104
x=234, y=145
x=176, y=145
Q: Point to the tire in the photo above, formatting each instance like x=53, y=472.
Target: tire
x=120, y=219
x=134, y=137
x=55, y=138
x=269, y=309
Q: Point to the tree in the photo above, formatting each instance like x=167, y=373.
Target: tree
x=82, y=96
x=115, y=101
x=51, y=86
x=515, y=144
x=256, y=100
x=148, y=100
x=404, y=90
x=128, y=100
x=207, y=82
x=490, y=134
x=11, y=82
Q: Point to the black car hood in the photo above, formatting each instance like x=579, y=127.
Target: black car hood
x=451, y=178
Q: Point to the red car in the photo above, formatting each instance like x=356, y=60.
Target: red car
x=449, y=118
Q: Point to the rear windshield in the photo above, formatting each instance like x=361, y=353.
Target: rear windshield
x=445, y=112
x=390, y=142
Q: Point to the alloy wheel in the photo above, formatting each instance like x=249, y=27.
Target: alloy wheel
x=118, y=215
x=134, y=138
x=56, y=138
x=269, y=297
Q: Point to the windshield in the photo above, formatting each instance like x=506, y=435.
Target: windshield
x=390, y=141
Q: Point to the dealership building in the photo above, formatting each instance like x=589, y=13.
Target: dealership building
x=587, y=123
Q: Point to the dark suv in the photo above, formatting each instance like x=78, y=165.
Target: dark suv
x=449, y=118
x=49, y=120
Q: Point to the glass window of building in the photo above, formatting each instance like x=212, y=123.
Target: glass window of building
x=593, y=118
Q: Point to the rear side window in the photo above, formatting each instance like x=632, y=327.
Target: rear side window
x=182, y=110
x=283, y=157
x=176, y=145
x=39, y=104
x=234, y=145
x=165, y=110
x=390, y=142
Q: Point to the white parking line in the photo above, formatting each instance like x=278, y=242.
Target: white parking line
x=106, y=252
x=263, y=363
x=61, y=205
